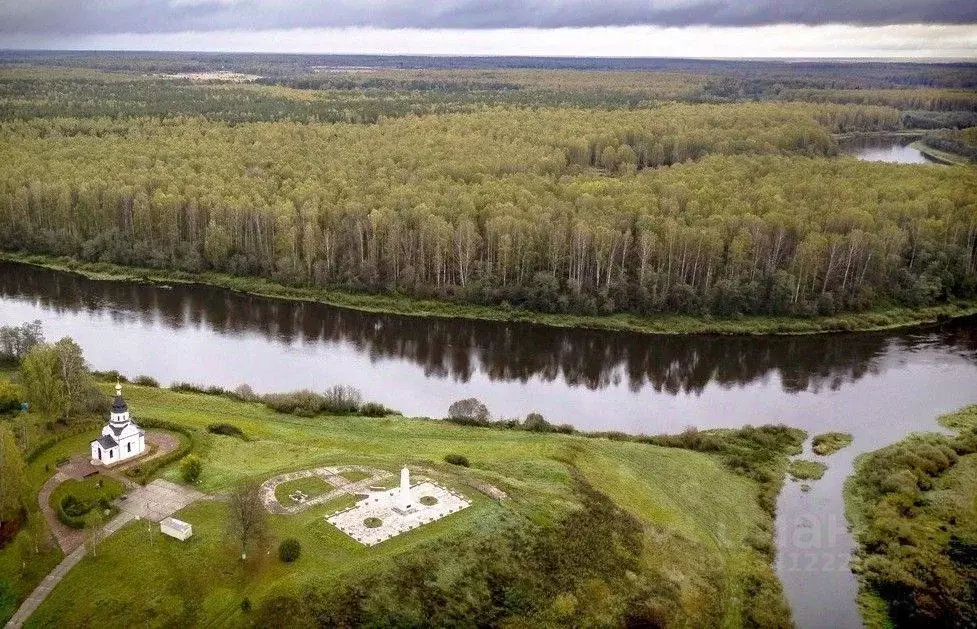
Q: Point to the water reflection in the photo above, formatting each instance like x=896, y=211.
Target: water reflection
x=891, y=149
x=459, y=349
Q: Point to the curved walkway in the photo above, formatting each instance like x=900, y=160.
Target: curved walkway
x=42, y=591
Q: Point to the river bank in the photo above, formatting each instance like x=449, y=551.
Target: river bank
x=883, y=318
x=938, y=156
x=912, y=507
x=717, y=545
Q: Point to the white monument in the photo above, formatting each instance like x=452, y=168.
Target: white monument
x=122, y=438
x=405, y=500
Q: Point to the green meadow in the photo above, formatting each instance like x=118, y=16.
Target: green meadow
x=712, y=547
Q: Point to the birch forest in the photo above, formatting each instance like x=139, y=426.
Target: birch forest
x=667, y=201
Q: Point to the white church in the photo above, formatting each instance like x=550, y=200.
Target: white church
x=122, y=438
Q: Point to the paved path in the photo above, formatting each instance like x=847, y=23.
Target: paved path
x=156, y=501
x=42, y=591
x=331, y=475
x=68, y=538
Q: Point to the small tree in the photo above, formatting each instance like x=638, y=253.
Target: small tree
x=190, y=468
x=536, y=423
x=247, y=515
x=469, y=410
x=94, y=530
x=289, y=550
x=40, y=375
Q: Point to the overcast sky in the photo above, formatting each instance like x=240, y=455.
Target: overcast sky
x=697, y=28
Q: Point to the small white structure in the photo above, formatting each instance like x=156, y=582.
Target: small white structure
x=121, y=439
x=176, y=528
x=404, y=499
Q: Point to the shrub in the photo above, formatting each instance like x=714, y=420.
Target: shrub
x=343, y=399
x=536, y=423
x=245, y=393
x=246, y=605
x=289, y=550
x=457, y=459
x=142, y=473
x=190, y=468
x=372, y=523
x=228, y=430
x=830, y=442
x=146, y=381
x=72, y=511
x=374, y=409
x=110, y=376
x=469, y=411
x=338, y=400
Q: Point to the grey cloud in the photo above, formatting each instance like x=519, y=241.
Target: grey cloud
x=72, y=17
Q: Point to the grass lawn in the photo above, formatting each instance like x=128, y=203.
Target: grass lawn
x=806, y=470
x=354, y=475
x=311, y=486
x=830, y=442
x=89, y=490
x=699, y=538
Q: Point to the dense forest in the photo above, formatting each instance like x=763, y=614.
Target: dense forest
x=512, y=188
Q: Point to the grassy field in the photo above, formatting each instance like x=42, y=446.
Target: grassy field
x=884, y=317
x=702, y=540
x=311, y=486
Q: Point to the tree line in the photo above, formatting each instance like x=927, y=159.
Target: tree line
x=554, y=210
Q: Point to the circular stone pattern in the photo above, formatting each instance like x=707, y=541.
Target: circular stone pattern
x=372, y=523
x=428, y=501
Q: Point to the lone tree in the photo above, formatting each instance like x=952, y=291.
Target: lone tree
x=247, y=518
x=469, y=410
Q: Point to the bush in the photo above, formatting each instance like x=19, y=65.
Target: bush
x=190, y=468
x=146, y=381
x=109, y=376
x=228, y=430
x=289, y=550
x=457, y=459
x=142, y=473
x=338, y=400
x=374, y=409
x=469, y=411
x=536, y=423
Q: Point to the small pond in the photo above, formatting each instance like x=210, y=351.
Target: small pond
x=884, y=148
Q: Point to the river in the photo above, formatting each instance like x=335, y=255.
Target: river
x=877, y=386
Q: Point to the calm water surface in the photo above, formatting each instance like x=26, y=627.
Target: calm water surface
x=893, y=149
x=879, y=387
